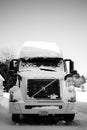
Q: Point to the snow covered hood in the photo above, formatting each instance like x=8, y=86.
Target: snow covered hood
x=40, y=49
x=36, y=73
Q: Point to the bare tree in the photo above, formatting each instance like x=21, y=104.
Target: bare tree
x=6, y=55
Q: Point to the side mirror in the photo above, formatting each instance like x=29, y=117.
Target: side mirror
x=69, y=65
x=14, y=65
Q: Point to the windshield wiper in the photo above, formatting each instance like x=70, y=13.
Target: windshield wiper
x=46, y=69
x=43, y=88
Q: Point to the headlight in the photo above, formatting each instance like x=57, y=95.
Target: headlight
x=72, y=99
x=72, y=93
x=15, y=94
x=70, y=89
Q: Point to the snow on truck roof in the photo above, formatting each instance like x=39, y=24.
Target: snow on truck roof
x=40, y=49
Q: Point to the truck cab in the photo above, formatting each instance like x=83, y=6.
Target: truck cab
x=44, y=87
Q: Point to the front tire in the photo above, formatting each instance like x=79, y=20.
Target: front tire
x=69, y=117
x=15, y=117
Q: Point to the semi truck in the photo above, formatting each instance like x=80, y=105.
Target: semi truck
x=44, y=83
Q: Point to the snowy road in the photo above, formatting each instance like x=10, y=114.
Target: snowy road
x=79, y=123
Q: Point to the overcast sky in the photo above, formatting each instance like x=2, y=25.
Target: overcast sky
x=60, y=21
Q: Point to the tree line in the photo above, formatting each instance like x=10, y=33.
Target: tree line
x=6, y=55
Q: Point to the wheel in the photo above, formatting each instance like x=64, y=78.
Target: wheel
x=69, y=117
x=15, y=117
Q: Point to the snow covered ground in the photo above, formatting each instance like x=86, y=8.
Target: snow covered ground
x=6, y=95
x=4, y=101
x=81, y=96
x=79, y=123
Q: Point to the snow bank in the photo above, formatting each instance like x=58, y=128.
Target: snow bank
x=81, y=96
x=4, y=101
x=6, y=95
x=1, y=78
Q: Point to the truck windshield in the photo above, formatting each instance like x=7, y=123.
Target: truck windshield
x=38, y=62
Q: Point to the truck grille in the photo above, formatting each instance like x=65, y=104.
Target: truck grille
x=43, y=88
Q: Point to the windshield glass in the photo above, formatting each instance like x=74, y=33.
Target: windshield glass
x=39, y=62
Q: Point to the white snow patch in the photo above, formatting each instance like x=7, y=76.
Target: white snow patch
x=1, y=78
x=81, y=96
x=6, y=95
x=46, y=107
x=4, y=101
x=42, y=45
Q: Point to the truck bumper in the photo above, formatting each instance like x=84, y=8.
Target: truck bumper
x=39, y=109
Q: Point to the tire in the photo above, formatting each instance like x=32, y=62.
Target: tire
x=15, y=117
x=69, y=117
